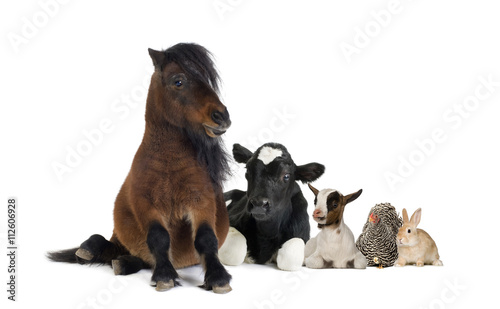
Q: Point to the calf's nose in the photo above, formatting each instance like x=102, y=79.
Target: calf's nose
x=260, y=202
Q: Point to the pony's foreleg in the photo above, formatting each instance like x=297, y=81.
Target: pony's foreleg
x=164, y=274
x=216, y=276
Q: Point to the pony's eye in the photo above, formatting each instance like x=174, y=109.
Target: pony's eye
x=178, y=83
x=409, y=231
x=286, y=177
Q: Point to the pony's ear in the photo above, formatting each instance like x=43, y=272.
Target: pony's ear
x=415, y=218
x=309, y=172
x=158, y=57
x=351, y=197
x=241, y=154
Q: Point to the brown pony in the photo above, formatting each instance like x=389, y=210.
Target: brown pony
x=170, y=212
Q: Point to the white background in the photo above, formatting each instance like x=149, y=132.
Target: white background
x=359, y=116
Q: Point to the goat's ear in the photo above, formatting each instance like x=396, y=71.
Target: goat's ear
x=241, y=154
x=158, y=57
x=351, y=197
x=405, y=216
x=309, y=172
x=415, y=218
x=313, y=189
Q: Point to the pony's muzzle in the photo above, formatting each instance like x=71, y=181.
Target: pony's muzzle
x=222, y=119
x=223, y=123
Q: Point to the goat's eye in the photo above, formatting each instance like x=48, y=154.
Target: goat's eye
x=335, y=205
x=409, y=231
x=286, y=177
x=178, y=83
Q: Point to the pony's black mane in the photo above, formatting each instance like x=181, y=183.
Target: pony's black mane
x=196, y=61
x=211, y=151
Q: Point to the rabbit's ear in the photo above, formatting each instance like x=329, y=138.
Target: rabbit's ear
x=415, y=218
x=405, y=216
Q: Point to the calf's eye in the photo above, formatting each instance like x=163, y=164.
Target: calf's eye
x=178, y=83
x=286, y=177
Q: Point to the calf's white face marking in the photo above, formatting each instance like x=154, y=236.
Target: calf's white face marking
x=268, y=154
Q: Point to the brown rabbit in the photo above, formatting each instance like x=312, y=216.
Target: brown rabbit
x=415, y=246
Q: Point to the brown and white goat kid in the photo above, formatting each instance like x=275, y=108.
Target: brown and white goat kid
x=334, y=246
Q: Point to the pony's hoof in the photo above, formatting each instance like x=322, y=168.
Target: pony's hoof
x=222, y=289
x=84, y=254
x=117, y=269
x=162, y=286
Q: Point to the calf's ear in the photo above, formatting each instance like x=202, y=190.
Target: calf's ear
x=241, y=154
x=309, y=172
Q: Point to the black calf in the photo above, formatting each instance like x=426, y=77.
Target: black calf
x=273, y=209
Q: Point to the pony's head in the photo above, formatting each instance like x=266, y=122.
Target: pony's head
x=184, y=90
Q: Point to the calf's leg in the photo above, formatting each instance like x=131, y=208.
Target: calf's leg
x=291, y=255
x=234, y=249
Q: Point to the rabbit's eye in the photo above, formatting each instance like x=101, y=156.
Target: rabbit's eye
x=409, y=231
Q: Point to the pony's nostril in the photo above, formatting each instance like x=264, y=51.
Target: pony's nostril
x=218, y=117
